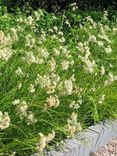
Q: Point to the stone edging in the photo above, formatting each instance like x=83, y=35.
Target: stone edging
x=89, y=141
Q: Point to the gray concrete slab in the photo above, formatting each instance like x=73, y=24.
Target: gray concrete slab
x=88, y=141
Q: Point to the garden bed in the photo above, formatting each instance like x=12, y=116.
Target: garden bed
x=58, y=76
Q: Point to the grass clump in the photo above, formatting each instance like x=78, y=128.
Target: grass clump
x=57, y=76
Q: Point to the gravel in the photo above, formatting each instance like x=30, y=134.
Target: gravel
x=108, y=150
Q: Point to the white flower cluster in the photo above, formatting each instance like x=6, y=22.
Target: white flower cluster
x=72, y=125
x=89, y=65
x=66, y=87
x=83, y=46
x=30, y=41
x=30, y=58
x=5, y=53
x=111, y=79
x=19, y=71
x=48, y=82
x=39, y=58
x=6, y=43
x=31, y=88
x=14, y=35
x=74, y=6
x=65, y=64
x=4, y=40
x=52, y=64
x=4, y=120
x=92, y=38
x=105, y=16
x=56, y=52
x=76, y=104
x=102, y=98
x=30, y=20
x=108, y=50
x=52, y=101
x=2, y=37
x=102, y=35
x=102, y=71
x=44, y=140
x=22, y=111
x=90, y=20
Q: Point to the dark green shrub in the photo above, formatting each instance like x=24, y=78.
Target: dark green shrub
x=56, y=5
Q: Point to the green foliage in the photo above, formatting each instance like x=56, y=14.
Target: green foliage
x=56, y=72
